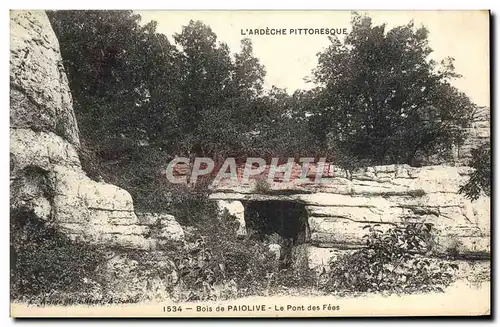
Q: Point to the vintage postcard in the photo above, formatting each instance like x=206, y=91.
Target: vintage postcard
x=249, y=163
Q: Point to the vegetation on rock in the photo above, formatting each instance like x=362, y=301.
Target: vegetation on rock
x=392, y=261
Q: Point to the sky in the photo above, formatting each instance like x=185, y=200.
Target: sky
x=288, y=59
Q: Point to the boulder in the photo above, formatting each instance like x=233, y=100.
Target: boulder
x=237, y=210
x=170, y=229
x=275, y=249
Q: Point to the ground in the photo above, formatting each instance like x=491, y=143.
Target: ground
x=459, y=299
x=470, y=295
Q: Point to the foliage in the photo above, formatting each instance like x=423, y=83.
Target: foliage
x=133, y=89
x=382, y=99
x=192, y=207
x=223, y=259
x=379, y=98
x=220, y=266
x=44, y=262
x=392, y=261
x=120, y=74
x=297, y=274
x=143, y=175
x=48, y=268
x=214, y=264
x=480, y=179
x=141, y=99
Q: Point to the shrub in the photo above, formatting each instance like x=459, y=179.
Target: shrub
x=45, y=263
x=49, y=268
x=393, y=261
x=298, y=274
x=138, y=276
x=192, y=207
x=480, y=180
x=90, y=161
x=218, y=265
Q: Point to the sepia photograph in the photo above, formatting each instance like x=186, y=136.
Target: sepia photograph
x=250, y=163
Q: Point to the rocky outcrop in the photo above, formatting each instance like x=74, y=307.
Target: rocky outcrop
x=163, y=227
x=235, y=209
x=47, y=179
x=40, y=99
x=345, y=202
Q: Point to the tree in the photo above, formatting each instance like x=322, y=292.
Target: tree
x=220, y=92
x=122, y=77
x=381, y=99
x=283, y=128
x=207, y=67
x=140, y=101
x=480, y=179
x=248, y=76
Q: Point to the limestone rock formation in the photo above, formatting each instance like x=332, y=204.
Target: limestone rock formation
x=236, y=209
x=40, y=96
x=165, y=227
x=340, y=207
x=47, y=179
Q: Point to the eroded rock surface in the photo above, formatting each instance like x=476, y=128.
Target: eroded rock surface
x=46, y=175
x=339, y=207
x=39, y=91
x=235, y=209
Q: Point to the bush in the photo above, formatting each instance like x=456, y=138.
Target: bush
x=297, y=274
x=45, y=263
x=393, y=261
x=217, y=265
x=90, y=162
x=247, y=265
x=192, y=207
x=49, y=268
x=480, y=180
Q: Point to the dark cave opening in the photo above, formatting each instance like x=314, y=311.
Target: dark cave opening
x=278, y=222
x=287, y=219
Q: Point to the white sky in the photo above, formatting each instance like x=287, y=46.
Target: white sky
x=288, y=59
